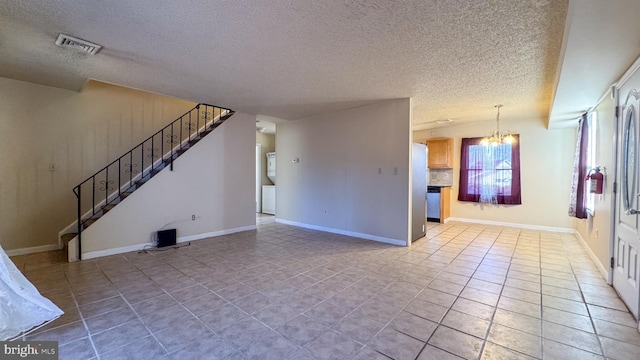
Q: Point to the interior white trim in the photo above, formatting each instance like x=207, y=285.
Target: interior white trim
x=137, y=247
x=627, y=75
x=516, y=225
x=215, y=233
x=594, y=258
x=31, y=250
x=345, y=232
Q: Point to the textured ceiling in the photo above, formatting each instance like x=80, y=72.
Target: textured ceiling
x=293, y=59
x=601, y=41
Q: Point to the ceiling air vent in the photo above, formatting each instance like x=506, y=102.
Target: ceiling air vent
x=71, y=42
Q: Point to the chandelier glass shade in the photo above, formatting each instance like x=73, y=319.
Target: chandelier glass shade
x=498, y=137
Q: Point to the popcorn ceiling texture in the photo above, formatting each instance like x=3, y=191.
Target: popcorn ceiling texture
x=294, y=59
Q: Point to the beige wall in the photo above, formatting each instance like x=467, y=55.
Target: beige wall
x=79, y=133
x=336, y=186
x=215, y=181
x=596, y=229
x=546, y=159
x=268, y=142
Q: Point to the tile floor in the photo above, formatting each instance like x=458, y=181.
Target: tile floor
x=281, y=292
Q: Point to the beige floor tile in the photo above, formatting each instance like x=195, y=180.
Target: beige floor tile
x=556, y=351
x=466, y=323
x=474, y=308
x=518, y=321
x=521, y=307
x=119, y=336
x=480, y=296
x=433, y=353
x=396, y=345
x=145, y=348
x=79, y=349
x=278, y=272
x=619, y=317
x=567, y=319
x=243, y=332
x=426, y=310
x=302, y=329
x=522, y=295
x=437, y=297
x=572, y=337
x=492, y=351
x=516, y=340
x=617, y=332
x=456, y=342
x=619, y=350
x=332, y=345
x=576, y=307
x=413, y=325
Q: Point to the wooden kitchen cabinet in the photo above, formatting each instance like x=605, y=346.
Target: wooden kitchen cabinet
x=445, y=203
x=440, y=153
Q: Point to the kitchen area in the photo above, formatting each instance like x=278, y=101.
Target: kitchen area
x=439, y=178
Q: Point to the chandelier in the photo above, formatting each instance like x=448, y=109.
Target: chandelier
x=498, y=137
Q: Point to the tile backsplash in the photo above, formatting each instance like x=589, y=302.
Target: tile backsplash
x=440, y=177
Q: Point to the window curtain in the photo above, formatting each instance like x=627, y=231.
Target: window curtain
x=490, y=174
x=578, y=200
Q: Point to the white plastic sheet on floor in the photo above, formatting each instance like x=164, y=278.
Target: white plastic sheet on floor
x=22, y=308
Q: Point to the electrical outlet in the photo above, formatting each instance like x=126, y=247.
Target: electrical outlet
x=326, y=211
x=52, y=167
x=379, y=171
x=193, y=217
x=395, y=171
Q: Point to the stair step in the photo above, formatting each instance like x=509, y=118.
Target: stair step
x=125, y=194
x=164, y=162
x=68, y=237
x=88, y=222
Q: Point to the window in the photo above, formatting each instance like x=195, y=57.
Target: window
x=591, y=158
x=490, y=174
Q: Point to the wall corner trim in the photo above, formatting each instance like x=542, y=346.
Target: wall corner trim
x=594, y=258
x=137, y=247
x=345, y=232
x=516, y=225
x=215, y=233
x=31, y=250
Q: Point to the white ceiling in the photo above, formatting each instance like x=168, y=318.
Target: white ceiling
x=291, y=59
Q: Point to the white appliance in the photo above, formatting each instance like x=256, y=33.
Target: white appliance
x=269, y=191
x=269, y=199
x=271, y=166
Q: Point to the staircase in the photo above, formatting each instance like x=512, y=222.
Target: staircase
x=108, y=187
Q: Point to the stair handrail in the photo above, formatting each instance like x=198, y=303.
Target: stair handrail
x=193, y=132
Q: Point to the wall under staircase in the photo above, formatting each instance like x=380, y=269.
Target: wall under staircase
x=213, y=180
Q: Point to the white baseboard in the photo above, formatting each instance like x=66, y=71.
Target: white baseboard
x=137, y=247
x=114, y=251
x=345, y=232
x=215, y=233
x=516, y=225
x=594, y=258
x=32, y=250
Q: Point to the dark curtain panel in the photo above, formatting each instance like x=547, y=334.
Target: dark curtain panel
x=578, y=200
x=465, y=193
x=515, y=197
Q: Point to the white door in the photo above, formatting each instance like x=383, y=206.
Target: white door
x=626, y=269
